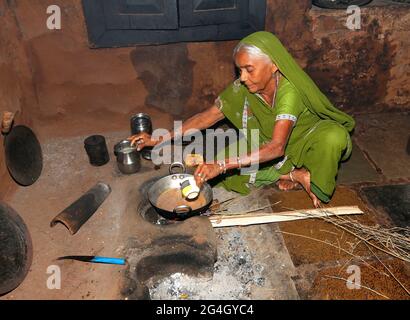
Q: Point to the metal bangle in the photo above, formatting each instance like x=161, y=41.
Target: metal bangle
x=291, y=176
x=220, y=167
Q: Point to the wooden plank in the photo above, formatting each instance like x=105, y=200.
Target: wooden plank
x=219, y=221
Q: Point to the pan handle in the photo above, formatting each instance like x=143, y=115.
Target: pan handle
x=184, y=209
x=177, y=165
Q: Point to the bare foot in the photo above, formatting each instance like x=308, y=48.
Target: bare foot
x=286, y=185
x=303, y=177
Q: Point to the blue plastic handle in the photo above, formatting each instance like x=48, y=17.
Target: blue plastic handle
x=108, y=260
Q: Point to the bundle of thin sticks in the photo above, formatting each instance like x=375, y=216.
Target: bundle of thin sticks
x=394, y=241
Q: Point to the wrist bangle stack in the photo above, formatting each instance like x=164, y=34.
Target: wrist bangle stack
x=222, y=166
x=291, y=176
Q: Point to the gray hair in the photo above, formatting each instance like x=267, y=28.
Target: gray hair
x=252, y=51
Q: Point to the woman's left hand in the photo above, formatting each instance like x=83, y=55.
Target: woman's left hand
x=206, y=172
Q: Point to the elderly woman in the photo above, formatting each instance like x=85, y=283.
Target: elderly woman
x=302, y=136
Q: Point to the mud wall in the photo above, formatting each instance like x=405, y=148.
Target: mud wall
x=17, y=93
x=79, y=89
x=83, y=91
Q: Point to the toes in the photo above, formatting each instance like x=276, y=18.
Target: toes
x=281, y=185
x=316, y=202
x=285, y=186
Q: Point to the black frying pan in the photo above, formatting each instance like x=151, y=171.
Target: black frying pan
x=16, y=251
x=339, y=4
x=24, y=158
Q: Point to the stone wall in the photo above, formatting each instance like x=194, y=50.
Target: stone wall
x=366, y=70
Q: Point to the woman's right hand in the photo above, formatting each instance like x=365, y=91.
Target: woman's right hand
x=142, y=140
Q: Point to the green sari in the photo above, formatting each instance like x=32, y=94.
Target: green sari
x=320, y=137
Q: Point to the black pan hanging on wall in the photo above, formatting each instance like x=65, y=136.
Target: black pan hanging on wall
x=24, y=157
x=339, y=4
x=16, y=251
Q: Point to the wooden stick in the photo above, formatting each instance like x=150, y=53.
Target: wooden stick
x=230, y=220
x=7, y=121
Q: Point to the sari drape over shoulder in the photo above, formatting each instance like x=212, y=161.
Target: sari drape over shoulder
x=320, y=136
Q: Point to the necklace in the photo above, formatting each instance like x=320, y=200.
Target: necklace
x=274, y=95
x=276, y=90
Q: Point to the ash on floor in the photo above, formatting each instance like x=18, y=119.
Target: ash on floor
x=235, y=275
x=253, y=262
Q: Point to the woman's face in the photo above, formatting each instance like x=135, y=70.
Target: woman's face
x=256, y=73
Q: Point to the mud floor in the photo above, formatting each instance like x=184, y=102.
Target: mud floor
x=291, y=260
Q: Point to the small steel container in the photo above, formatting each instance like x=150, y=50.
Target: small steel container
x=128, y=158
x=141, y=122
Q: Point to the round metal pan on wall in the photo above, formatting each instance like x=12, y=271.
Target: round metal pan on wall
x=24, y=157
x=16, y=250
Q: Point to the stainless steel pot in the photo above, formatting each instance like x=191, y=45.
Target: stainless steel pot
x=141, y=122
x=128, y=158
x=173, y=181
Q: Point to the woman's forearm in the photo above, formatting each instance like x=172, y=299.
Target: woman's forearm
x=270, y=151
x=199, y=121
x=266, y=153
